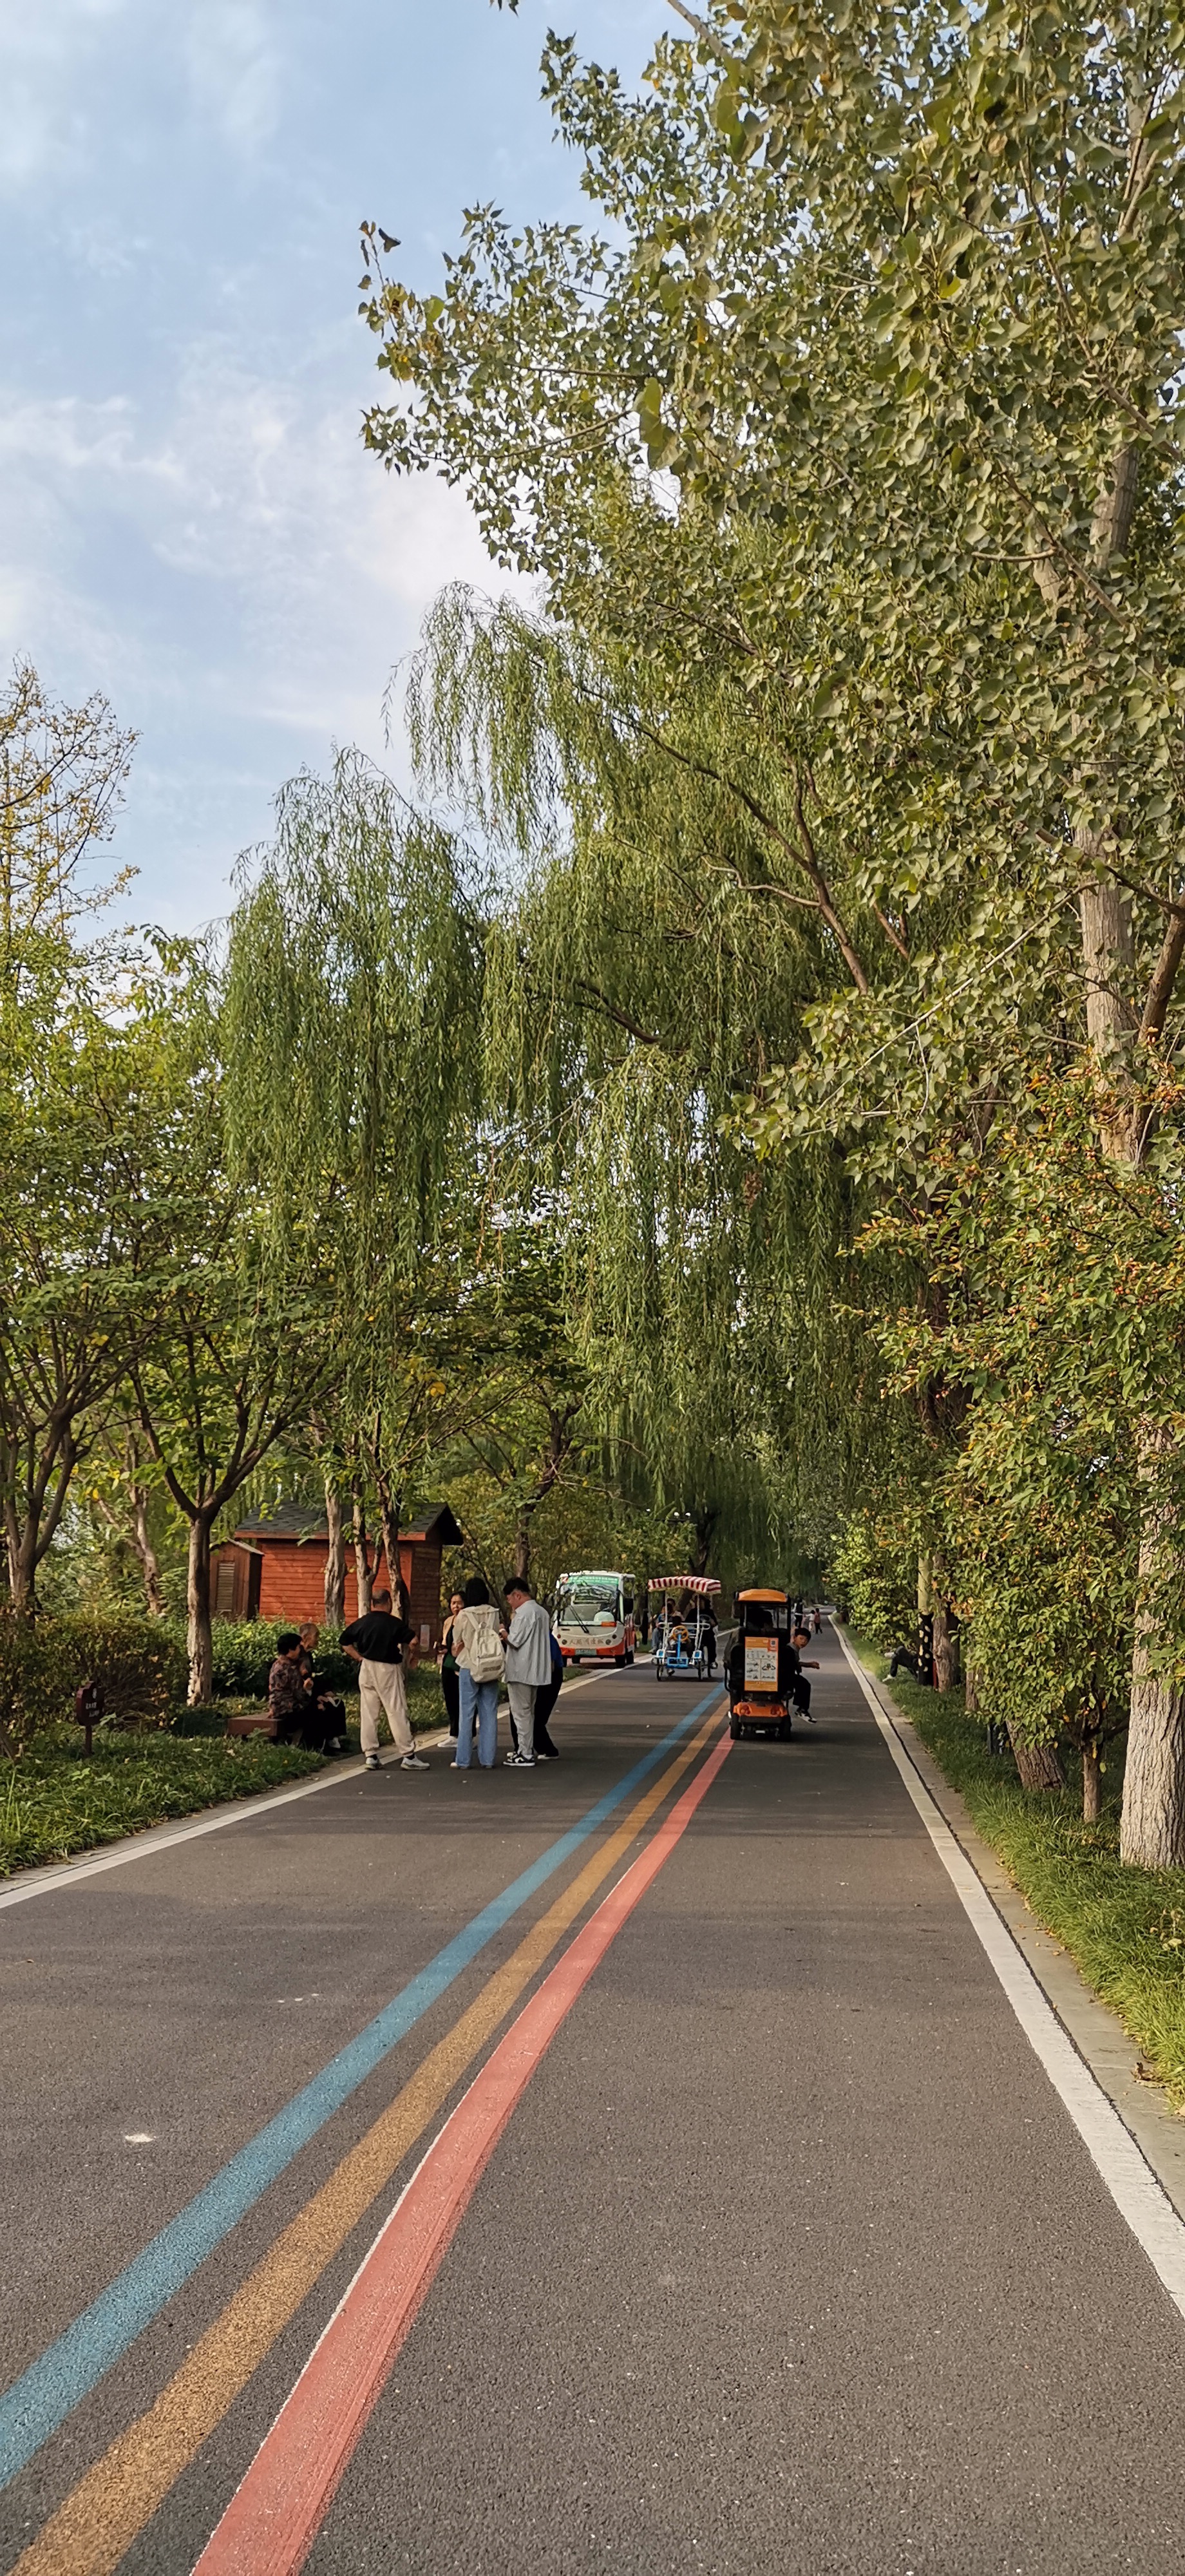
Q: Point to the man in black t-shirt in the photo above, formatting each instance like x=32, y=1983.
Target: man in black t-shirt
x=375, y=1643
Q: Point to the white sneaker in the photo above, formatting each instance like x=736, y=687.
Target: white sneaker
x=414, y=1762
x=373, y=1763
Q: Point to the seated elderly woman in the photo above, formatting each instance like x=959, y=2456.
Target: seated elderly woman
x=299, y=1717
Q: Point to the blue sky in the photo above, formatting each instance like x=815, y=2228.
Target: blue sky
x=187, y=518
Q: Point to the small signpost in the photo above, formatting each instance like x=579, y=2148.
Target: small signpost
x=90, y=1700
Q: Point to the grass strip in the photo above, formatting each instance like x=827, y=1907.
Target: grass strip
x=1124, y=1928
x=55, y=1799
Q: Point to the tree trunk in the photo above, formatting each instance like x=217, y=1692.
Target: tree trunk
x=1092, y=1783
x=1037, y=1764
x=199, y=1638
x=22, y=1551
x=335, y=1562
x=1152, y=1831
x=705, y=1531
x=149, y=1561
x=390, y=1515
x=361, y=1556
x=522, y=1547
x=945, y=1646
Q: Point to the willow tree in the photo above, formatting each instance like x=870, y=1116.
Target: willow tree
x=904, y=297
x=350, y=1028
x=651, y=961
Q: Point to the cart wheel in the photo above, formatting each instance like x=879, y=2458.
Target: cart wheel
x=735, y=1729
x=785, y=1731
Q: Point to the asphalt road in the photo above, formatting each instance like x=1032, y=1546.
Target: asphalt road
x=788, y=2257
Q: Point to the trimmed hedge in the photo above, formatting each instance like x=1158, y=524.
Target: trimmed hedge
x=245, y=1650
x=142, y=1670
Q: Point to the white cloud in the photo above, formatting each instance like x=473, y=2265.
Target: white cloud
x=233, y=64
x=260, y=578
x=45, y=54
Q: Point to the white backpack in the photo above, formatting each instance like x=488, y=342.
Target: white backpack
x=484, y=1655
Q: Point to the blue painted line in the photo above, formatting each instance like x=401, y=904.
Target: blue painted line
x=50, y=2388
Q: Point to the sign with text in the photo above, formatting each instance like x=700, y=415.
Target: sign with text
x=761, y=1663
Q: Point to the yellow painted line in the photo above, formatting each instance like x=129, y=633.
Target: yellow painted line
x=100, y=2518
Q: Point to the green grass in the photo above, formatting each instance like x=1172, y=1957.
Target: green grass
x=1124, y=1928
x=54, y=1800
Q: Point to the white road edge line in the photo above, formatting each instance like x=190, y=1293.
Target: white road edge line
x=1128, y=2177
x=45, y=1881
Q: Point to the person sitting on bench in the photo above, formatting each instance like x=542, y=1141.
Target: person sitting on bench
x=298, y=1719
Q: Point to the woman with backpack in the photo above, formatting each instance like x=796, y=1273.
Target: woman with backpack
x=477, y=1648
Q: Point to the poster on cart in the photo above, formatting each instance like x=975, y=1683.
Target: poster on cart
x=761, y=1663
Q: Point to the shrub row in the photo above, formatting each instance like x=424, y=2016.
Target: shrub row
x=139, y=1663
x=245, y=1650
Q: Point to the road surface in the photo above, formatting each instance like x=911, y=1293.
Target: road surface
x=757, y=2237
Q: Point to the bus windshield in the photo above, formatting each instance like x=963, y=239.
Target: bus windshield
x=589, y=1599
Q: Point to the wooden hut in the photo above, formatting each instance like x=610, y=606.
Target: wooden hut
x=274, y=1568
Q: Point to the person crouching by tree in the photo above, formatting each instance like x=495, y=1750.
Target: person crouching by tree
x=376, y=1643
x=528, y=1667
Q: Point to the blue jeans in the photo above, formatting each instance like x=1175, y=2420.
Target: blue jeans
x=480, y=1699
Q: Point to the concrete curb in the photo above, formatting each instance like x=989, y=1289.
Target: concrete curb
x=1096, y=2032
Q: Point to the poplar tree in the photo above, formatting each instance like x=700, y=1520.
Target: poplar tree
x=879, y=350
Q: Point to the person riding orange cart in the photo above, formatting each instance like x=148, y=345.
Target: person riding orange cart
x=762, y=1667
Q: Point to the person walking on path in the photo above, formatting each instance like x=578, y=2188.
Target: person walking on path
x=528, y=1667
x=545, y=1701
x=450, y=1679
x=375, y=1643
x=477, y=1646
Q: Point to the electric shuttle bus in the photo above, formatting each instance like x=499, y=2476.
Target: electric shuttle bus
x=594, y=1617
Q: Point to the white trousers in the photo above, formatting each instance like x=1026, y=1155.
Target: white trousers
x=521, y=1696
x=382, y=1686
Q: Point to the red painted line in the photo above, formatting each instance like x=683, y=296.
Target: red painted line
x=272, y=2521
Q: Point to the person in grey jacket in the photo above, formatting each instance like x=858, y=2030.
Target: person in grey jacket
x=528, y=1667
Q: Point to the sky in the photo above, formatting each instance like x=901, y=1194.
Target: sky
x=188, y=521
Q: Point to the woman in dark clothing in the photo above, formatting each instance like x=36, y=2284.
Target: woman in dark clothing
x=330, y=1711
x=545, y=1700
x=450, y=1679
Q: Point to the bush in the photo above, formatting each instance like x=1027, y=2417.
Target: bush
x=30, y=1690
x=245, y=1650
x=137, y=1661
x=201, y=1719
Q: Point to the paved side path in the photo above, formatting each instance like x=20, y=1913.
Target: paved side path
x=788, y=2258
